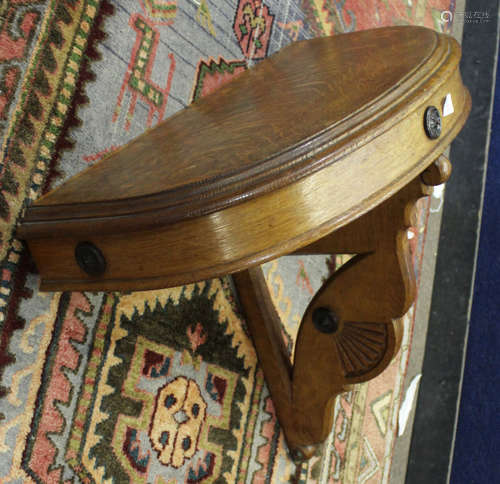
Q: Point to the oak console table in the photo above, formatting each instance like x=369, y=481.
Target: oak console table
x=322, y=148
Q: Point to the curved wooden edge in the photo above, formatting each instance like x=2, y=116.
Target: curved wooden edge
x=438, y=172
x=247, y=234
x=317, y=153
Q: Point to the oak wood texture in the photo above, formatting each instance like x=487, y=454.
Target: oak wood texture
x=319, y=149
x=291, y=150
x=367, y=295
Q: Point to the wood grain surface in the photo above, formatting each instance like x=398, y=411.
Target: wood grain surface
x=366, y=296
x=309, y=140
x=321, y=148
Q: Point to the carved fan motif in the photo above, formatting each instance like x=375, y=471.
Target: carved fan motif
x=361, y=346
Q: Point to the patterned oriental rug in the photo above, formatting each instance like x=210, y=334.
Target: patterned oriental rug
x=90, y=381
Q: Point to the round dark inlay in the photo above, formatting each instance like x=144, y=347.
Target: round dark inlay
x=432, y=122
x=325, y=320
x=90, y=259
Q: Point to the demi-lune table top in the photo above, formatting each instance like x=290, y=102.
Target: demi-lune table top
x=306, y=141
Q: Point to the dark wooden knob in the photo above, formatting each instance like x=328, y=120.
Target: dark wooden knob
x=432, y=122
x=90, y=259
x=325, y=320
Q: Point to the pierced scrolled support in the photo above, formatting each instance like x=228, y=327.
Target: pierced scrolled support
x=350, y=331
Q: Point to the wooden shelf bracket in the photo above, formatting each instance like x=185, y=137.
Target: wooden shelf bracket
x=351, y=330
